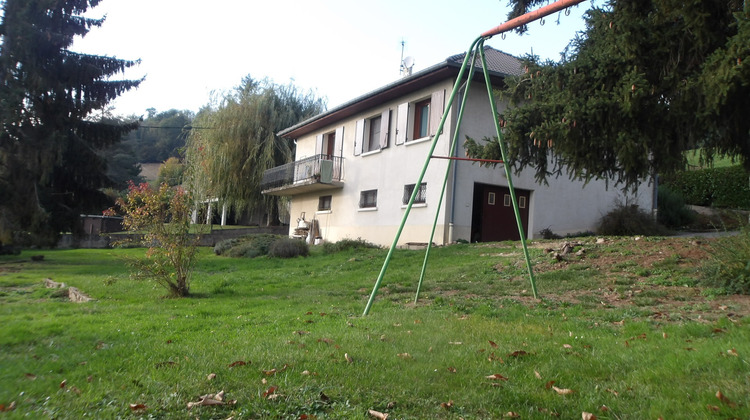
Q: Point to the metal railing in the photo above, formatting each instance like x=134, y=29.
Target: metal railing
x=307, y=169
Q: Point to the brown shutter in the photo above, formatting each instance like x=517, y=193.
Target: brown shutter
x=436, y=110
x=402, y=122
x=385, y=128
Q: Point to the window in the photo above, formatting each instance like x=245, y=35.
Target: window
x=491, y=199
x=324, y=203
x=421, y=197
x=373, y=134
x=522, y=202
x=329, y=142
x=506, y=200
x=368, y=199
x=421, y=119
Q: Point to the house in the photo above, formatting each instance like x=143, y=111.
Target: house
x=357, y=164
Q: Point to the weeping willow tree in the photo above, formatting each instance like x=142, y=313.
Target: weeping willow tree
x=234, y=142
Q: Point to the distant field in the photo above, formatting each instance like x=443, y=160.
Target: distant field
x=693, y=158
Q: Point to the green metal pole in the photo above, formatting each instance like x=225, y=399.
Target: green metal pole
x=493, y=107
x=454, y=142
x=419, y=182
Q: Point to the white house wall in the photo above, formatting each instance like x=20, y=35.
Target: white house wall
x=564, y=206
x=386, y=170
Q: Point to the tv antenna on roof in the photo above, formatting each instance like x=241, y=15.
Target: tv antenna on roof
x=406, y=63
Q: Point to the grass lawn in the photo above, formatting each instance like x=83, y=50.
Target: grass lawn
x=622, y=332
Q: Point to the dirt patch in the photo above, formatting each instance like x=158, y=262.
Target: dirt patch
x=642, y=273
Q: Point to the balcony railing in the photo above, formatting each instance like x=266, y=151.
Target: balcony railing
x=318, y=169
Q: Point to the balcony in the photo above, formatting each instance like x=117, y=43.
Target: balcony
x=316, y=173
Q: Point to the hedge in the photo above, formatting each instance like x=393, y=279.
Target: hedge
x=727, y=187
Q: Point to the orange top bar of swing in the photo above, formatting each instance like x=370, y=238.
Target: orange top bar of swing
x=531, y=16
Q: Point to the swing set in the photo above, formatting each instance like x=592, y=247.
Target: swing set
x=474, y=53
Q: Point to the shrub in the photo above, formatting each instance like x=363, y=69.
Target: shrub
x=288, y=248
x=728, y=267
x=627, y=220
x=547, y=233
x=250, y=246
x=159, y=218
x=719, y=187
x=347, y=244
x=672, y=209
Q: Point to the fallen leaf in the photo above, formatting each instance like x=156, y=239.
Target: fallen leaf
x=237, y=363
x=612, y=391
x=724, y=399
x=325, y=340
x=275, y=371
x=447, y=405
x=567, y=346
x=603, y=408
x=713, y=407
x=511, y=415
x=416, y=321
x=211, y=376
x=325, y=398
x=138, y=407
x=10, y=407
x=664, y=335
x=451, y=369
x=549, y=384
x=211, y=399
x=63, y=383
x=348, y=358
x=404, y=355
x=732, y=352
x=492, y=343
x=538, y=376
x=300, y=332
x=323, y=314
x=30, y=376
x=378, y=414
x=457, y=343
x=496, y=377
x=269, y=392
x=627, y=344
x=587, y=416
x=518, y=353
x=264, y=381
x=563, y=391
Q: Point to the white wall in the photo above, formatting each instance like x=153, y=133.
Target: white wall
x=387, y=170
x=564, y=206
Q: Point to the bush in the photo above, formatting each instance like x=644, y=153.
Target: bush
x=347, y=244
x=729, y=265
x=288, y=248
x=672, y=209
x=718, y=187
x=628, y=220
x=250, y=246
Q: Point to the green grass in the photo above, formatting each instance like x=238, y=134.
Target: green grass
x=693, y=160
x=301, y=316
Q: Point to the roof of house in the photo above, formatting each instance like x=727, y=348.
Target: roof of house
x=500, y=66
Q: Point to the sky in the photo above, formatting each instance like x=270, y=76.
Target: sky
x=192, y=51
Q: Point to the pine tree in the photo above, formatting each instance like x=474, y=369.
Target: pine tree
x=647, y=80
x=50, y=171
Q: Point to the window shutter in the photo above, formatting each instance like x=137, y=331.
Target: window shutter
x=359, y=137
x=436, y=110
x=402, y=120
x=338, y=145
x=385, y=128
x=319, y=144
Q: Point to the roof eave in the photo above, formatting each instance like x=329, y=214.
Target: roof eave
x=426, y=77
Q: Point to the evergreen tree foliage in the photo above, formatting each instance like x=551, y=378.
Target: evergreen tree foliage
x=645, y=81
x=233, y=143
x=50, y=171
x=160, y=135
